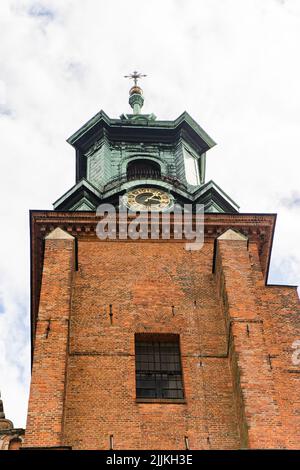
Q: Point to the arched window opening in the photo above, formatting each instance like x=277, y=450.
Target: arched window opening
x=14, y=444
x=143, y=169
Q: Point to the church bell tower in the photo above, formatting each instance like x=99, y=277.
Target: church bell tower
x=139, y=342
x=116, y=156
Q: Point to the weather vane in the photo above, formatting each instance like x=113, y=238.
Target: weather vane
x=135, y=76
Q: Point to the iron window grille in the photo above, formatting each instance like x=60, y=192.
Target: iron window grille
x=158, y=369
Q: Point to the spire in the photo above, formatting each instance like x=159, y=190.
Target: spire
x=136, y=99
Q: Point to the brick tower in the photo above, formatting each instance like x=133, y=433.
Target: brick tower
x=141, y=343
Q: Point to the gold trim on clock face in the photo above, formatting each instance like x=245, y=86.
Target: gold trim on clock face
x=145, y=199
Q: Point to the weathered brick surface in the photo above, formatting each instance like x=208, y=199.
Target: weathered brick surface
x=142, y=281
x=235, y=333
x=264, y=393
x=280, y=306
x=46, y=403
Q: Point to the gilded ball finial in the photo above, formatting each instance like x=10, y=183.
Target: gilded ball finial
x=135, y=89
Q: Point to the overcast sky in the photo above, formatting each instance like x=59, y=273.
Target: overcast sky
x=232, y=64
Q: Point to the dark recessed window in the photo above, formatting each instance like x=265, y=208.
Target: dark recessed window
x=143, y=169
x=158, y=367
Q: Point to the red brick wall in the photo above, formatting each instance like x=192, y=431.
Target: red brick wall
x=229, y=322
x=280, y=306
x=46, y=402
x=142, y=281
x=279, y=309
x=264, y=321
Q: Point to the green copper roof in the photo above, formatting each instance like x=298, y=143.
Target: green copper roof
x=101, y=119
x=107, y=149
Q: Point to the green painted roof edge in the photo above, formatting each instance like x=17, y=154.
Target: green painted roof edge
x=185, y=116
x=102, y=116
x=211, y=184
x=83, y=182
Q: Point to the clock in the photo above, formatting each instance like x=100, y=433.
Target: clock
x=145, y=199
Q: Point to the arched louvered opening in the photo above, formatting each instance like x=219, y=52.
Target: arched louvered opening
x=143, y=169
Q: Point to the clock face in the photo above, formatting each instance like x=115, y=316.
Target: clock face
x=144, y=199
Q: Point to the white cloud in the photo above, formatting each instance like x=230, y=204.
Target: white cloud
x=232, y=65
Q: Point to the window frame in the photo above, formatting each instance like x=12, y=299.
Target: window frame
x=192, y=172
x=143, y=168
x=159, y=376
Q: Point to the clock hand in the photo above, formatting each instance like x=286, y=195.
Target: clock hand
x=150, y=197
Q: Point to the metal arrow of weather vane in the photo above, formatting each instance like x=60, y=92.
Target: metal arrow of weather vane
x=135, y=76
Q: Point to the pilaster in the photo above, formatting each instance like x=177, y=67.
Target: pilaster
x=253, y=381
x=46, y=406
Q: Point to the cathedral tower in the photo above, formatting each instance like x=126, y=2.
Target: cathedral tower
x=143, y=342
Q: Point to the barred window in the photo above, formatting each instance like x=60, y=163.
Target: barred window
x=158, y=367
x=143, y=168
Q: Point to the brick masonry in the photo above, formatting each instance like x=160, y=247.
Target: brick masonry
x=236, y=338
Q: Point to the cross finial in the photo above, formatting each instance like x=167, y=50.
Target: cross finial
x=135, y=76
x=136, y=99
